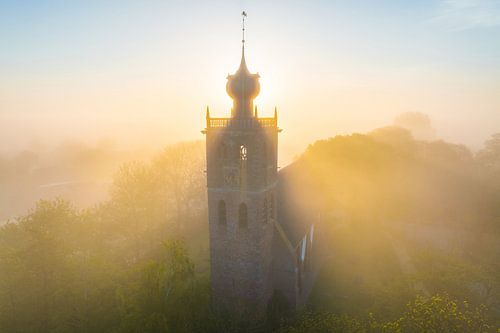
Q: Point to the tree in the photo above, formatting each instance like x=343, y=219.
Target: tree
x=166, y=297
x=160, y=199
x=179, y=170
x=489, y=156
x=37, y=271
x=418, y=123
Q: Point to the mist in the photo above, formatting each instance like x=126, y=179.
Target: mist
x=345, y=178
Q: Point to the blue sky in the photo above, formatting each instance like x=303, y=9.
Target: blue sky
x=344, y=66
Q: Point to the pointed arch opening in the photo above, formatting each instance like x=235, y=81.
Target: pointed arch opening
x=265, y=212
x=222, y=213
x=243, y=216
x=243, y=153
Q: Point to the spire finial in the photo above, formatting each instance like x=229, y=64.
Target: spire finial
x=243, y=16
x=243, y=65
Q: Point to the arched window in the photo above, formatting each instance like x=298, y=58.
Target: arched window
x=243, y=153
x=222, y=212
x=265, y=212
x=271, y=206
x=243, y=216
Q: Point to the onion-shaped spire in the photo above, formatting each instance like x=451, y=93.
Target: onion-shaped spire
x=243, y=86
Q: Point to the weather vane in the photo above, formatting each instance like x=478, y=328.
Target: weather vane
x=243, y=16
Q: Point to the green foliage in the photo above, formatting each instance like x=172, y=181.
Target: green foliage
x=49, y=281
x=387, y=175
x=362, y=274
x=462, y=279
x=165, y=295
x=436, y=314
x=54, y=279
x=161, y=199
x=325, y=322
x=63, y=270
x=369, y=188
x=441, y=314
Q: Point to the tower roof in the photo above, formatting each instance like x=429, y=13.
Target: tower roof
x=243, y=86
x=243, y=63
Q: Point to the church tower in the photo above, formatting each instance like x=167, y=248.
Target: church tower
x=241, y=180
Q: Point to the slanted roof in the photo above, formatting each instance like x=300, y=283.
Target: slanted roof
x=297, y=202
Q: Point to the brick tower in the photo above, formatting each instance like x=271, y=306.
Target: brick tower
x=241, y=180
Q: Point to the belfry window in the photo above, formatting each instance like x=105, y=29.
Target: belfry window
x=243, y=216
x=222, y=213
x=265, y=212
x=243, y=153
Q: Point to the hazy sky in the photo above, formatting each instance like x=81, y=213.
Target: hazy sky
x=143, y=71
